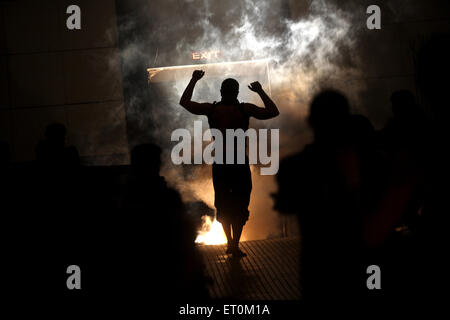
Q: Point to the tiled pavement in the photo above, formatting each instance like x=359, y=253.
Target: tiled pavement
x=268, y=272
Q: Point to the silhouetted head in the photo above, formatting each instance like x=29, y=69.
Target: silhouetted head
x=433, y=69
x=146, y=159
x=55, y=133
x=229, y=89
x=403, y=102
x=328, y=113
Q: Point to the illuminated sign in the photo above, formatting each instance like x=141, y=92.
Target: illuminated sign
x=205, y=55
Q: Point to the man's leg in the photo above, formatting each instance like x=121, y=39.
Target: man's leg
x=242, y=188
x=227, y=229
x=237, y=231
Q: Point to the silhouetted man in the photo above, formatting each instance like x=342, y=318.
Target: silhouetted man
x=321, y=185
x=232, y=182
x=53, y=152
x=154, y=213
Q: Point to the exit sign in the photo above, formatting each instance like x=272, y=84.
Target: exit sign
x=205, y=55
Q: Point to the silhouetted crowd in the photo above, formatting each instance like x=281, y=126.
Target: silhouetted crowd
x=363, y=197
x=366, y=197
x=127, y=230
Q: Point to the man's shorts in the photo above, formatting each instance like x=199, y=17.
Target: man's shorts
x=232, y=188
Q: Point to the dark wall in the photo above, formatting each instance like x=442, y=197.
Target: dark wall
x=49, y=73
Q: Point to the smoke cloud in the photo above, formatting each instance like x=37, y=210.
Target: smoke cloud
x=310, y=44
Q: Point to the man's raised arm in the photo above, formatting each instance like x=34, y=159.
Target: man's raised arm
x=270, y=110
x=187, y=103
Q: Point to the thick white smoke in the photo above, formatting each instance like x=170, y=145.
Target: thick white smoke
x=308, y=49
x=307, y=53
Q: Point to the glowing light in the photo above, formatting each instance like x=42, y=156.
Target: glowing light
x=211, y=233
x=152, y=72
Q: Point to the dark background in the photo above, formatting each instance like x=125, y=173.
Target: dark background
x=49, y=73
x=94, y=81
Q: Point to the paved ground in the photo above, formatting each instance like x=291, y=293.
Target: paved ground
x=269, y=272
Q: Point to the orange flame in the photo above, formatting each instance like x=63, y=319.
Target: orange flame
x=211, y=232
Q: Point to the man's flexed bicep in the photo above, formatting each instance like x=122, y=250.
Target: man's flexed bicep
x=270, y=110
x=257, y=112
x=187, y=103
x=198, y=108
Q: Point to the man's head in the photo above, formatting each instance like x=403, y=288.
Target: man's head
x=229, y=89
x=328, y=114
